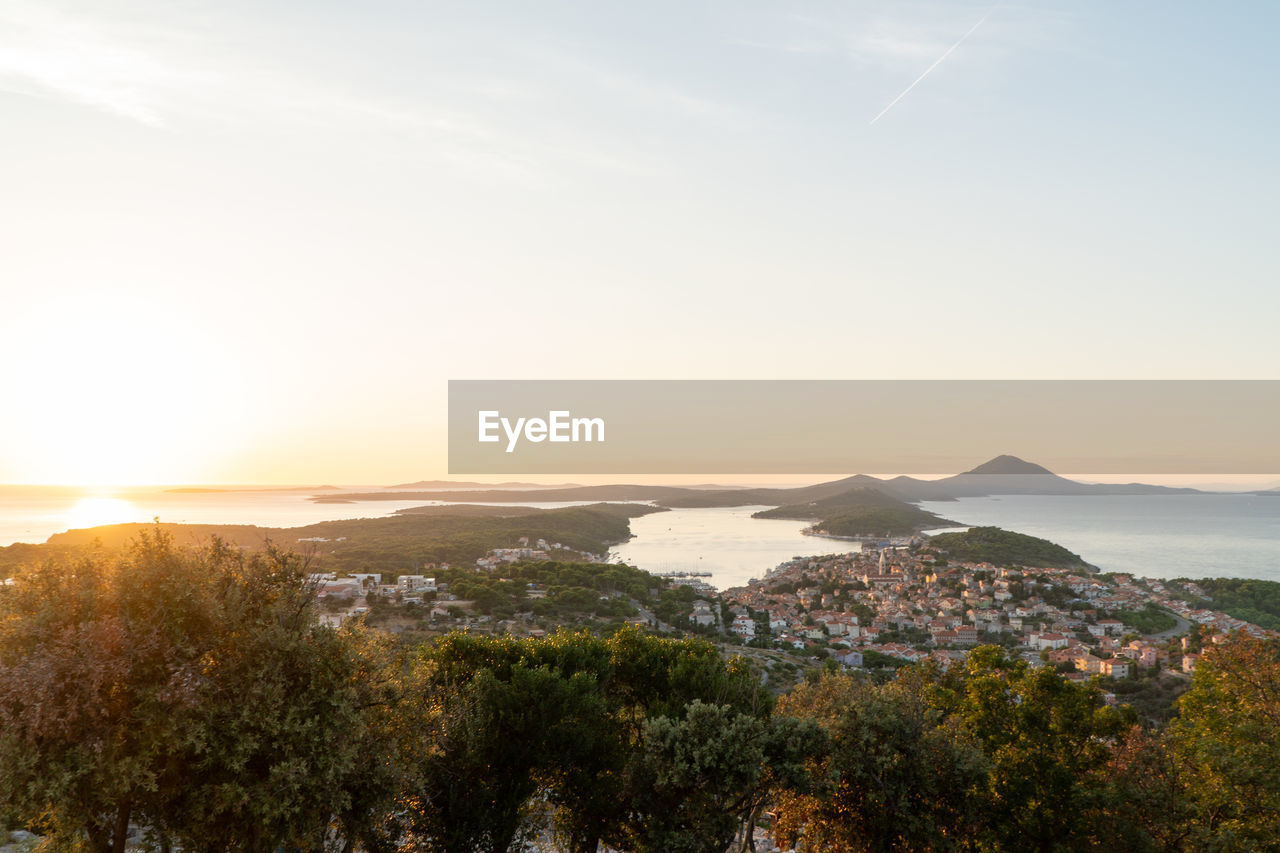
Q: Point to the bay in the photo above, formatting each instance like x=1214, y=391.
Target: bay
x=724, y=541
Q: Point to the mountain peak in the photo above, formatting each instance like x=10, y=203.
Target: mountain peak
x=1009, y=465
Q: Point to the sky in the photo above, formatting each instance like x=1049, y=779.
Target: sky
x=250, y=243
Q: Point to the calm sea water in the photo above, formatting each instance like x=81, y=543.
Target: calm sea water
x=33, y=514
x=727, y=542
x=1149, y=535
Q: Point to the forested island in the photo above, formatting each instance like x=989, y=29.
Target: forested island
x=1006, y=548
x=430, y=534
x=859, y=512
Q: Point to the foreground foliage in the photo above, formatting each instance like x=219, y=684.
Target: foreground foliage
x=187, y=690
x=191, y=692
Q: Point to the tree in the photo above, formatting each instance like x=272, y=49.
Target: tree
x=94, y=685
x=1228, y=737
x=375, y=775
x=896, y=777
x=1047, y=741
x=486, y=751
x=514, y=735
x=1143, y=804
x=273, y=741
x=190, y=690
x=700, y=781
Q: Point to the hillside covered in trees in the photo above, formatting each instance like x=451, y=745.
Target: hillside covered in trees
x=429, y=534
x=1255, y=601
x=859, y=512
x=1005, y=548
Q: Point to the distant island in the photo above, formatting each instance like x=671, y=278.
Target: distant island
x=208, y=490
x=860, y=512
x=464, y=484
x=1003, y=475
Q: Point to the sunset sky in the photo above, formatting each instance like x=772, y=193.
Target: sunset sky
x=250, y=242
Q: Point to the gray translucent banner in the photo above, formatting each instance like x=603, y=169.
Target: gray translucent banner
x=861, y=426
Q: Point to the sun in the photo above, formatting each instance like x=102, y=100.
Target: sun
x=113, y=393
x=97, y=511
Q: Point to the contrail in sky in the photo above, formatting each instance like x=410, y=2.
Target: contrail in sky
x=936, y=63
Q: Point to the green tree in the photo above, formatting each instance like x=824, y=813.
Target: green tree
x=699, y=781
x=1143, y=804
x=270, y=742
x=189, y=690
x=112, y=647
x=1046, y=739
x=516, y=734
x=488, y=749
x=898, y=775
x=1228, y=736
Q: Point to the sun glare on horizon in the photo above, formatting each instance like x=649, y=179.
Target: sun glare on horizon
x=97, y=511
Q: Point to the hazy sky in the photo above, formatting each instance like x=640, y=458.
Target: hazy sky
x=250, y=242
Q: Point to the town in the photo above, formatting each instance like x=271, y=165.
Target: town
x=898, y=601
x=908, y=603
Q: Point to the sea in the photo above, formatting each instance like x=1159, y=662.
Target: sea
x=34, y=513
x=1161, y=536
x=724, y=545
x=1207, y=535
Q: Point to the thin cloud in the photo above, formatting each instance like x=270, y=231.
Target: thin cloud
x=196, y=70
x=935, y=64
x=124, y=65
x=47, y=53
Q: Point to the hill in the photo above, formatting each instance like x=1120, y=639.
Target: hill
x=1009, y=475
x=860, y=512
x=879, y=521
x=1003, y=475
x=1005, y=464
x=861, y=497
x=1005, y=548
x=1255, y=601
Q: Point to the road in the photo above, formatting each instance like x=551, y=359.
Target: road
x=646, y=613
x=1180, y=628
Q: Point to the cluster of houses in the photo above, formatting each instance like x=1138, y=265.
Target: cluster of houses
x=848, y=603
x=899, y=602
x=409, y=588
x=539, y=550
x=359, y=587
